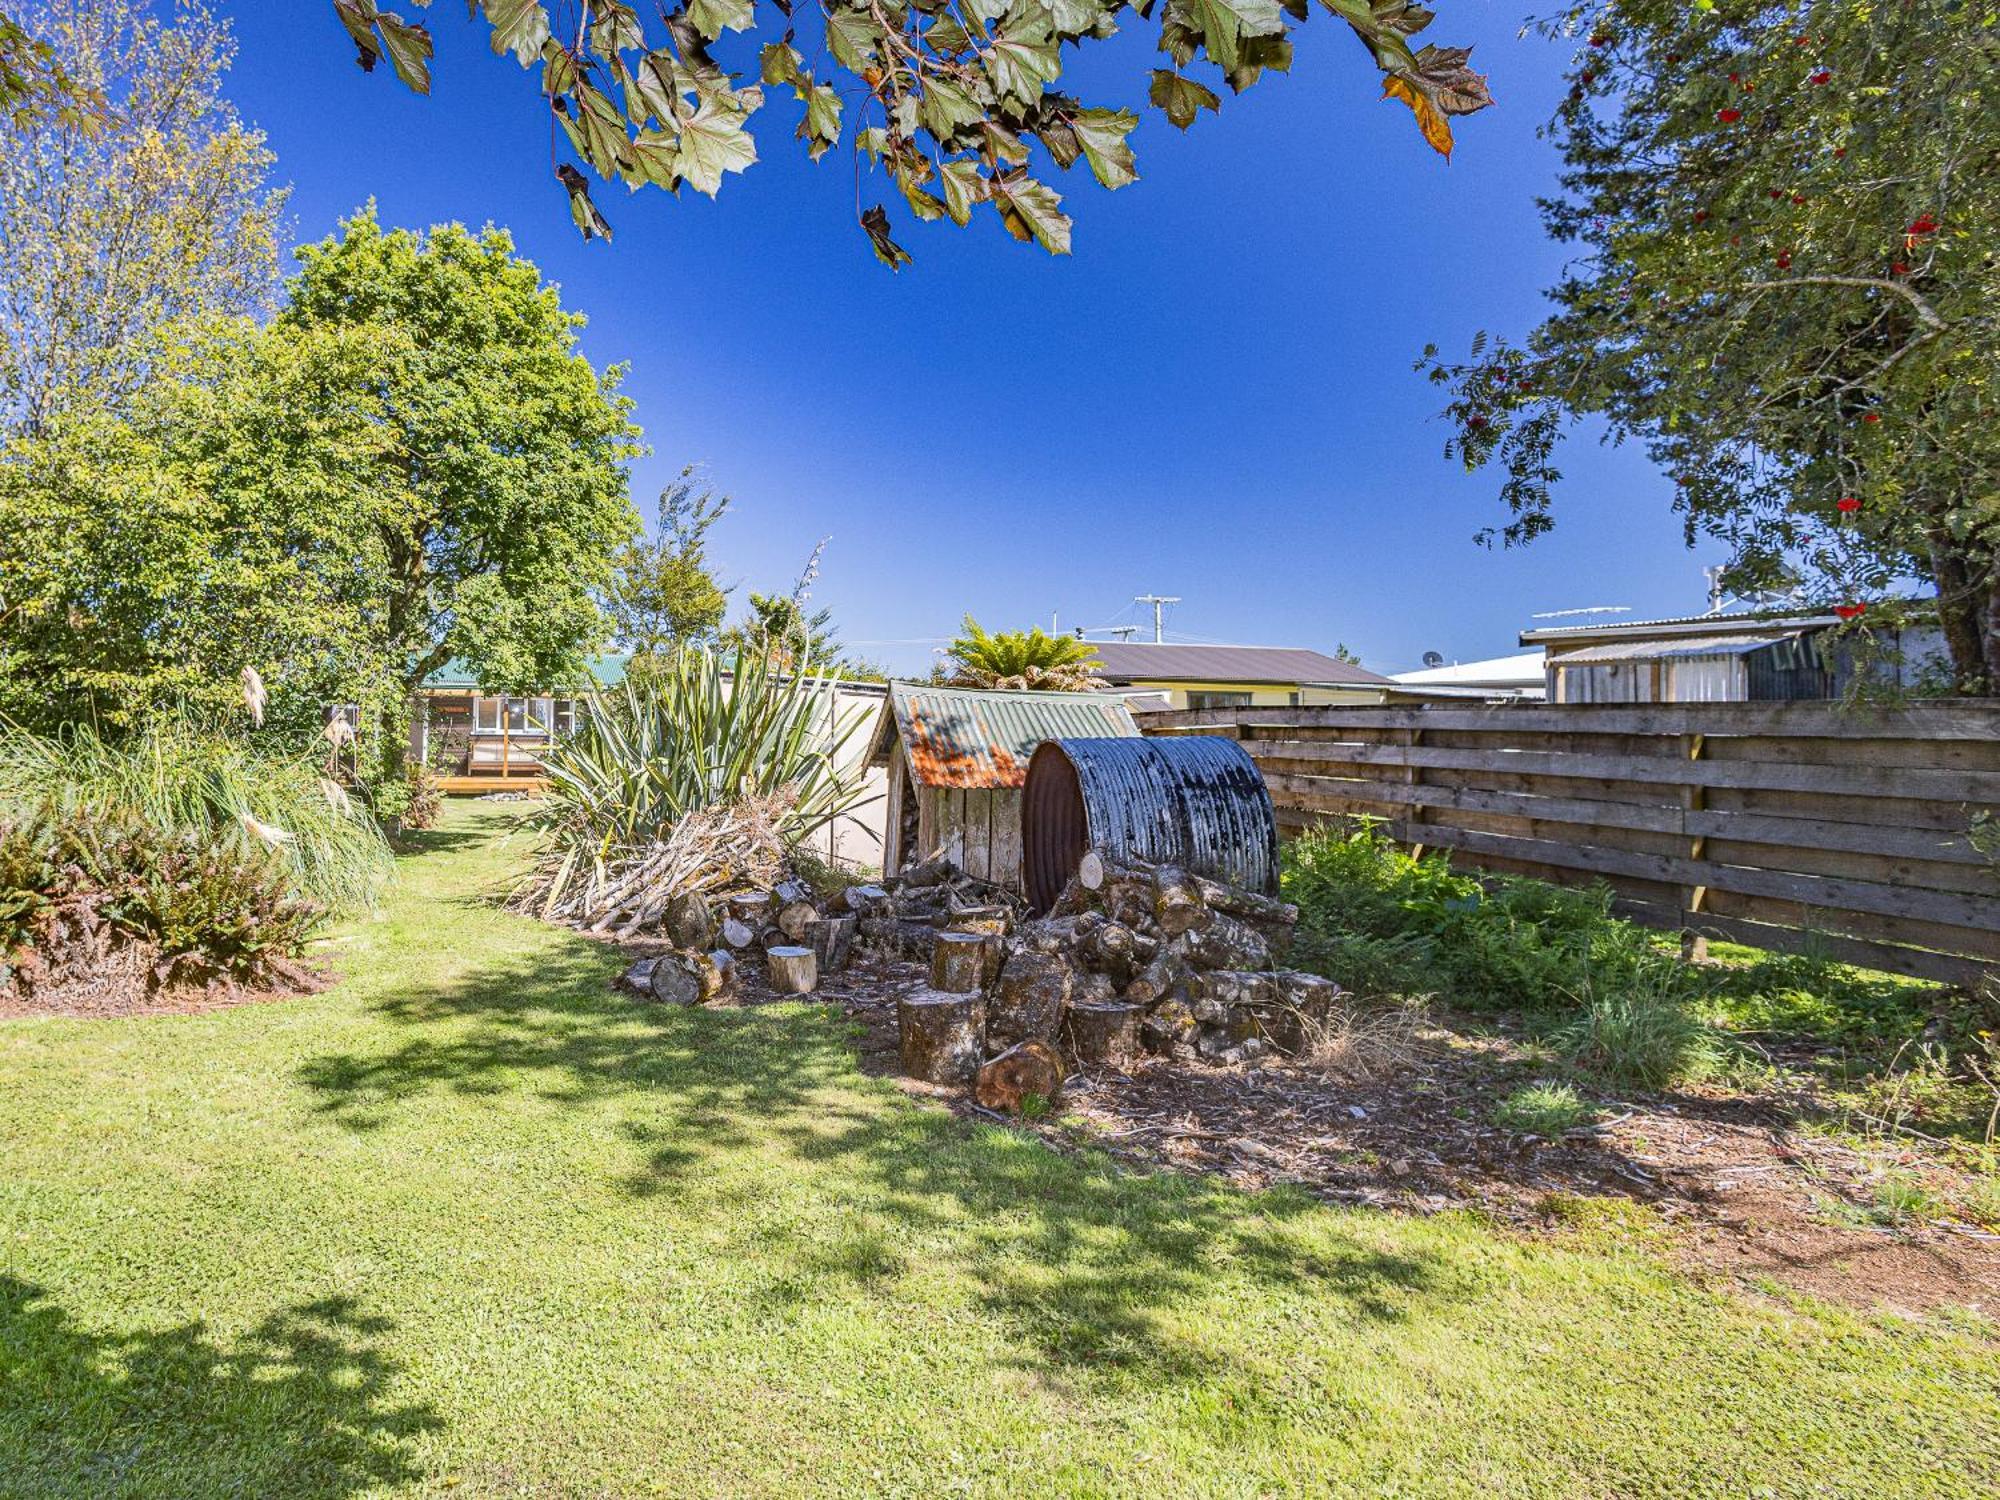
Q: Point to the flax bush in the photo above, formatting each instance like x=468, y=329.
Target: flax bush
x=702, y=730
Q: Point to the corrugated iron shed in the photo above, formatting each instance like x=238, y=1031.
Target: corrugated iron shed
x=963, y=737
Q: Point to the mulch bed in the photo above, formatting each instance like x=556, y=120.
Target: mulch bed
x=122, y=982
x=1735, y=1187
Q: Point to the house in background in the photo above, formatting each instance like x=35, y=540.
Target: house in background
x=956, y=759
x=1759, y=657
x=475, y=741
x=1498, y=679
x=1233, y=676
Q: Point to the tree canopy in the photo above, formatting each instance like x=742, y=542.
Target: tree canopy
x=501, y=493
x=662, y=594
x=151, y=204
x=947, y=98
x=1020, y=659
x=149, y=554
x=1787, y=286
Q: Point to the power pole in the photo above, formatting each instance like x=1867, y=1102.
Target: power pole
x=1159, y=603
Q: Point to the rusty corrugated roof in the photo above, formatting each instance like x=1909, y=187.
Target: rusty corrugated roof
x=966, y=738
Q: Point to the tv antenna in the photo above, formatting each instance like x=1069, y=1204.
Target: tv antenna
x=1159, y=603
x=1588, y=609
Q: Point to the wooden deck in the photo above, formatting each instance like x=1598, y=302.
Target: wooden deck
x=472, y=786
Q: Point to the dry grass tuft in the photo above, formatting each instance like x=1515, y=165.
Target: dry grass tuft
x=1361, y=1042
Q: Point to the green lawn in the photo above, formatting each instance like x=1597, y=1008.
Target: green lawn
x=470, y=1222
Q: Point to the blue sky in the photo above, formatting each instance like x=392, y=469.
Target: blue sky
x=1213, y=397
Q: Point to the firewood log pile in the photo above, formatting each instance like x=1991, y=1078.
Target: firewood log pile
x=1131, y=960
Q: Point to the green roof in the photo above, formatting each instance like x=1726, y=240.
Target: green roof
x=457, y=676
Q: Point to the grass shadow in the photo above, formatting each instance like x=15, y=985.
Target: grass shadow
x=298, y=1405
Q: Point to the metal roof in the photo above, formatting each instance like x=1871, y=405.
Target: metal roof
x=1666, y=650
x=1131, y=661
x=964, y=737
x=1767, y=620
x=457, y=675
x=1523, y=670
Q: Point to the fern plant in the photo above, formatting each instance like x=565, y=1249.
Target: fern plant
x=1021, y=659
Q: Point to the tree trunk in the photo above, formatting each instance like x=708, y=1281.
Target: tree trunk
x=1968, y=588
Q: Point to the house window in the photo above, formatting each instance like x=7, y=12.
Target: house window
x=1218, y=700
x=563, y=715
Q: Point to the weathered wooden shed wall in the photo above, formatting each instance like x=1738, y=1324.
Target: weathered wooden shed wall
x=955, y=759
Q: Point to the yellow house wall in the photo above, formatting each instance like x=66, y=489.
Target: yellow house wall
x=1262, y=694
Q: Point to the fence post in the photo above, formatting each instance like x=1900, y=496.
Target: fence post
x=1694, y=945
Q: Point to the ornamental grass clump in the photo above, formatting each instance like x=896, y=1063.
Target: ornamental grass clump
x=703, y=732
x=175, y=776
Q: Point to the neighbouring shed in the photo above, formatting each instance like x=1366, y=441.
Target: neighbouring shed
x=957, y=759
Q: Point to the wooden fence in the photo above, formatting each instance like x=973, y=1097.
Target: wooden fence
x=1782, y=825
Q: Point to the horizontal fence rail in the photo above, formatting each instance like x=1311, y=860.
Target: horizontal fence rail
x=1845, y=830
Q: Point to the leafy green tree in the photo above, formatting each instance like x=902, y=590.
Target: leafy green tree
x=151, y=553
x=501, y=493
x=1786, y=287
x=151, y=207
x=945, y=97
x=1020, y=659
x=662, y=593
x=778, y=628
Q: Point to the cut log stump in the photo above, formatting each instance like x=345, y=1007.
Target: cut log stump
x=1105, y=1036
x=795, y=917
x=794, y=971
x=1027, y=1070
x=939, y=1036
x=1028, y=1001
x=675, y=980
x=738, y=934
x=717, y=973
x=833, y=942
x=690, y=923
x=958, y=963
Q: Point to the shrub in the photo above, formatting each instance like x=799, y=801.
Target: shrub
x=1543, y=1109
x=1021, y=660
x=426, y=799
x=174, y=776
x=1376, y=917
x=210, y=908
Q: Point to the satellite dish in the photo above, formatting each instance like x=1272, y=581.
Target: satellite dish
x=1433, y=658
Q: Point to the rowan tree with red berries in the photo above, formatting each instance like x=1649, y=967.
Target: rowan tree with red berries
x=1787, y=288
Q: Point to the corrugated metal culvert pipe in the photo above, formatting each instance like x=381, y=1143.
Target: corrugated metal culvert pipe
x=1196, y=802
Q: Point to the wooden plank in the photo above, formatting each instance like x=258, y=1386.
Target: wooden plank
x=1006, y=858
x=1890, y=958
x=1855, y=781
x=1957, y=719
x=1659, y=819
x=892, y=826
x=1970, y=942
x=1950, y=908
x=1757, y=828
x=976, y=858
